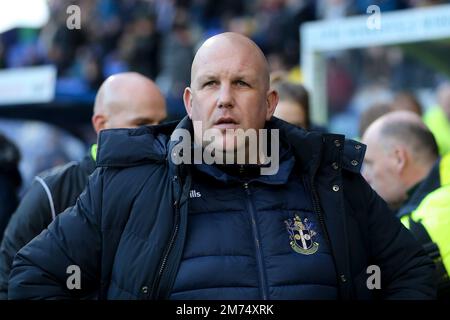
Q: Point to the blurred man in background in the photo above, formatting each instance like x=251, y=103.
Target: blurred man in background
x=402, y=164
x=438, y=119
x=126, y=100
x=293, y=103
x=371, y=114
x=407, y=101
x=10, y=180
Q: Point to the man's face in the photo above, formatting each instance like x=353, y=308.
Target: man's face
x=228, y=91
x=291, y=112
x=381, y=173
x=142, y=112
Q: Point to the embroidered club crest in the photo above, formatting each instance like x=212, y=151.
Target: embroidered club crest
x=301, y=236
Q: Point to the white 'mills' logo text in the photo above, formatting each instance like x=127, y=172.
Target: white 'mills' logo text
x=195, y=194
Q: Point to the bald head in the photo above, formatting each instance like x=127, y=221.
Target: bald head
x=232, y=44
x=400, y=153
x=128, y=100
x=408, y=129
x=229, y=88
x=393, y=119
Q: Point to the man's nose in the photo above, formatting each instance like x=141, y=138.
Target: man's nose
x=225, y=98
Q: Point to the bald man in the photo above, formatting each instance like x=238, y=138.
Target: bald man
x=401, y=153
x=125, y=100
x=402, y=164
x=150, y=226
x=128, y=100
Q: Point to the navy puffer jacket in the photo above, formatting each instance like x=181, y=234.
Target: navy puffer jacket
x=242, y=241
x=128, y=230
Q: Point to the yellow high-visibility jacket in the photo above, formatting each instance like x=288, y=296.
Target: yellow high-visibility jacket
x=439, y=125
x=430, y=221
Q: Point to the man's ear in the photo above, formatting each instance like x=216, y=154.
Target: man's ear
x=98, y=122
x=272, y=102
x=187, y=99
x=401, y=157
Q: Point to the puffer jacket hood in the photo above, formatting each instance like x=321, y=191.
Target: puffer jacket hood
x=131, y=147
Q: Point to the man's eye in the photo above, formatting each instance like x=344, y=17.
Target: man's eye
x=242, y=83
x=210, y=83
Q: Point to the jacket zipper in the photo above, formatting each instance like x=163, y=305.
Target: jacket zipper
x=166, y=253
x=317, y=209
x=257, y=242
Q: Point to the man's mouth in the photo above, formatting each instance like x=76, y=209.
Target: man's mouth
x=226, y=123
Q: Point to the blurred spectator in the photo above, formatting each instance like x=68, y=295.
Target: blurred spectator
x=140, y=46
x=296, y=13
x=293, y=104
x=88, y=68
x=10, y=181
x=165, y=14
x=270, y=18
x=176, y=59
x=346, y=122
x=400, y=153
x=403, y=166
x=339, y=86
x=63, y=47
x=333, y=9
x=215, y=13
x=371, y=114
x=42, y=146
x=438, y=119
x=406, y=101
